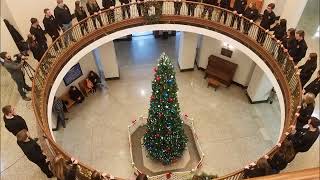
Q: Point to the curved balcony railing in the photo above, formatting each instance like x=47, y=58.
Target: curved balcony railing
x=155, y=12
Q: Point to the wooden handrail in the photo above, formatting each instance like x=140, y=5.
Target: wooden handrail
x=305, y=174
x=49, y=68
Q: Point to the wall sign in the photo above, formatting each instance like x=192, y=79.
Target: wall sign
x=74, y=73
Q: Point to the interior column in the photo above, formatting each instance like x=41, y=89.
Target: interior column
x=187, y=50
x=259, y=86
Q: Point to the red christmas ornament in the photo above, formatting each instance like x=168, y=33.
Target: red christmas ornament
x=155, y=69
x=168, y=175
x=158, y=78
x=157, y=135
x=170, y=100
x=152, y=97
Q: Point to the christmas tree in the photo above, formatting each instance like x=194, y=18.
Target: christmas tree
x=165, y=139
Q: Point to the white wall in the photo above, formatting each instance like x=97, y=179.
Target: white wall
x=7, y=43
x=211, y=46
x=292, y=11
x=187, y=50
x=109, y=60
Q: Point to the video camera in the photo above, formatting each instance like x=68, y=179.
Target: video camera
x=21, y=56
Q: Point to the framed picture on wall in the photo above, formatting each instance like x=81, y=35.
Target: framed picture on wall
x=74, y=73
x=226, y=52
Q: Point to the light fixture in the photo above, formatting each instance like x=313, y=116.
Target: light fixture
x=227, y=45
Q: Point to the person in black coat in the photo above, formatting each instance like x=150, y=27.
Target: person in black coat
x=225, y=4
x=76, y=95
x=304, y=138
x=13, y=122
x=238, y=8
x=280, y=29
x=177, y=6
x=52, y=27
x=314, y=86
x=289, y=40
x=251, y=13
x=191, y=7
x=94, y=9
x=38, y=33
x=278, y=160
x=140, y=7
x=35, y=47
x=33, y=152
x=308, y=69
x=268, y=18
x=125, y=8
x=300, y=49
x=94, y=78
x=109, y=4
x=209, y=9
x=81, y=14
x=262, y=168
x=307, y=108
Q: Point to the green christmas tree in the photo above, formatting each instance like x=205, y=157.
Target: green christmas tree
x=165, y=139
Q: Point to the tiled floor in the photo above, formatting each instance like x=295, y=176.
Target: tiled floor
x=229, y=132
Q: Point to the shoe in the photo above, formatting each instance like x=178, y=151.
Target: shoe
x=28, y=88
x=26, y=98
x=54, y=129
x=66, y=119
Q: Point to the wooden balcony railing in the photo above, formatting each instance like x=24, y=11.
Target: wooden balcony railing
x=271, y=51
x=306, y=174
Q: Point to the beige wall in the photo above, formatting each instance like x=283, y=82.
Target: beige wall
x=210, y=46
x=7, y=43
x=187, y=50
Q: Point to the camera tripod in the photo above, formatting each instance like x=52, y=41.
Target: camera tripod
x=29, y=70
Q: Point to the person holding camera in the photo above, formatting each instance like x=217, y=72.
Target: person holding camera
x=15, y=70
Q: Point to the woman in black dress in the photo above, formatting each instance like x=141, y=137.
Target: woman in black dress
x=314, y=86
x=76, y=95
x=308, y=69
x=307, y=107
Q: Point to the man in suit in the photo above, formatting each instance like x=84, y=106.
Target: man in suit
x=38, y=33
x=300, y=50
x=209, y=9
x=52, y=27
x=94, y=11
x=238, y=9
x=268, y=18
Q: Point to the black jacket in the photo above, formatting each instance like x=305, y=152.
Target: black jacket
x=225, y=4
x=80, y=14
x=32, y=150
x=39, y=33
x=16, y=124
x=51, y=26
x=15, y=70
x=108, y=3
x=299, y=51
x=303, y=139
x=305, y=115
x=251, y=14
x=267, y=19
x=279, y=31
x=63, y=15
x=278, y=162
x=313, y=87
x=75, y=94
x=289, y=43
x=37, y=50
x=93, y=8
x=240, y=6
x=211, y=2
x=308, y=69
x=124, y=1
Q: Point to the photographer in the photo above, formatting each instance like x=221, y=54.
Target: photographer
x=15, y=70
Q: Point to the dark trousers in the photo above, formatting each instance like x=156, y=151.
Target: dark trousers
x=22, y=86
x=159, y=10
x=224, y=13
x=246, y=26
x=60, y=118
x=177, y=8
x=304, y=79
x=95, y=18
x=140, y=9
x=209, y=10
x=55, y=46
x=44, y=166
x=84, y=26
x=234, y=18
x=125, y=9
x=110, y=15
x=191, y=7
x=261, y=36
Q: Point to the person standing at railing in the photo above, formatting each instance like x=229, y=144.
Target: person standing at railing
x=289, y=40
x=17, y=74
x=177, y=4
x=101, y=176
x=209, y=9
x=65, y=170
x=109, y=4
x=306, y=110
x=308, y=69
x=251, y=13
x=34, y=46
x=314, y=86
x=140, y=4
x=64, y=19
x=238, y=9
x=13, y=122
x=38, y=33
x=225, y=4
x=125, y=8
x=52, y=27
x=81, y=14
x=304, y=138
x=191, y=6
x=268, y=18
x=300, y=49
x=261, y=168
x=94, y=11
x=33, y=152
x=280, y=29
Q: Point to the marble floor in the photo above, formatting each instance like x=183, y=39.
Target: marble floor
x=222, y=131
